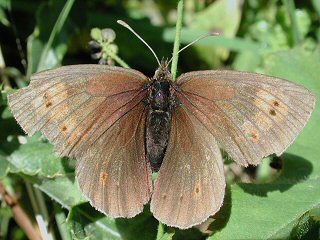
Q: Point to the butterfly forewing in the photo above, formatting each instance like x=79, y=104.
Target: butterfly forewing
x=76, y=107
x=190, y=185
x=251, y=115
x=73, y=105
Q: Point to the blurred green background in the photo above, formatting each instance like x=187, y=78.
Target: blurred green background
x=275, y=37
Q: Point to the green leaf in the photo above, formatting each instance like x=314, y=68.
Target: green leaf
x=37, y=158
x=267, y=208
x=223, y=16
x=34, y=49
x=47, y=51
x=48, y=43
x=234, y=44
x=165, y=233
x=61, y=220
x=3, y=17
x=64, y=190
x=5, y=217
x=316, y=5
x=85, y=222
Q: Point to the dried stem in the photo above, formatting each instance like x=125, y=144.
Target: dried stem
x=19, y=214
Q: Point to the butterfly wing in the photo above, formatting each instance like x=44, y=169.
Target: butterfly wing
x=113, y=173
x=76, y=107
x=190, y=185
x=251, y=115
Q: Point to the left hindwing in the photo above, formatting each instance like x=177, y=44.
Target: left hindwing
x=251, y=115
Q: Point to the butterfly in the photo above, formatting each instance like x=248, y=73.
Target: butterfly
x=120, y=126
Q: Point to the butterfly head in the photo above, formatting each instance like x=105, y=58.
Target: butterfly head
x=162, y=73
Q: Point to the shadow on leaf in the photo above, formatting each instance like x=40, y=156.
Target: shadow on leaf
x=222, y=217
x=142, y=226
x=295, y=169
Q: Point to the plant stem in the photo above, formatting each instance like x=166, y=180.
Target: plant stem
x=61, y=221
x=19, y=214
x=294, y=26
x=116, y=58
x=176, y=45
x=41, y=214
x=56, y=29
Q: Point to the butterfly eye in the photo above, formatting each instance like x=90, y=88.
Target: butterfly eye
x=156, y=74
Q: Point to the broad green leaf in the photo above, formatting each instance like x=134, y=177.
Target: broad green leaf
x=270, y=208
x=247, y=61
x=224, y=17
x=64, y=190
x=37, y=158
x=85, y=222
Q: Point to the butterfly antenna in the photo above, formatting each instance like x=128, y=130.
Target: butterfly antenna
x=124, y=24
x=196, y=40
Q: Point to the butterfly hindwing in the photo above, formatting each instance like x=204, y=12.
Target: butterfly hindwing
x=251, y=115
x=190, y=185
x=113, y=173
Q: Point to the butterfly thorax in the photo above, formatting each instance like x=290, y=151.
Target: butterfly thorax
x=159, y=116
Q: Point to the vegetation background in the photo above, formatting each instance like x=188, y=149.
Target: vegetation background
x=275, y=37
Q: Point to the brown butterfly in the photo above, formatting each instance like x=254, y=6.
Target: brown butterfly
x=120, y=125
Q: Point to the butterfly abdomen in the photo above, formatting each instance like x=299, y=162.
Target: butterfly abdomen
x=158, y=122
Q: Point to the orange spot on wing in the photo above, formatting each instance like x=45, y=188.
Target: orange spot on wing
x=197, y=188
x=254, y=137
x=103, y=178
